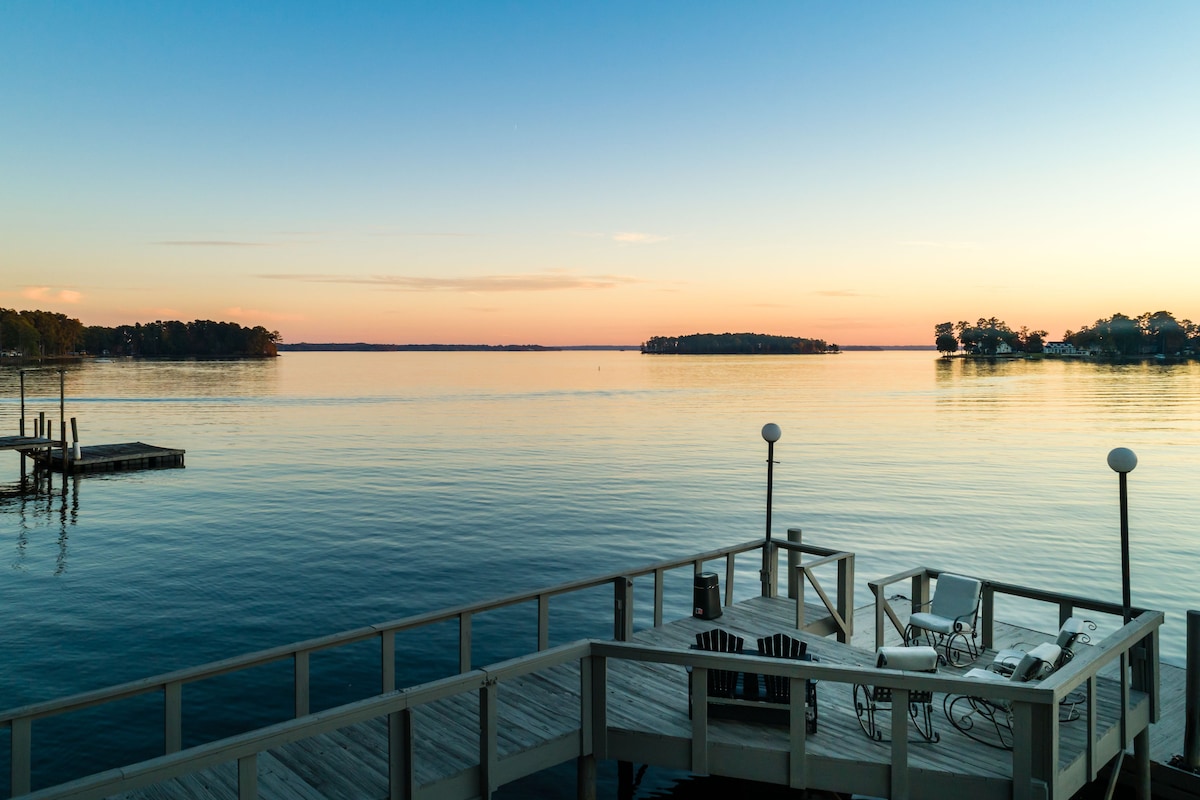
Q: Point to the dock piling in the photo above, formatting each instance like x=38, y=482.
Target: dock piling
x=1191, y=719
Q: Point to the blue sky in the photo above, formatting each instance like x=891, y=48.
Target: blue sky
x=569, y=173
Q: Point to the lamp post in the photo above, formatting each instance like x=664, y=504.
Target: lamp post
x=1122, y=461
x=770, y=434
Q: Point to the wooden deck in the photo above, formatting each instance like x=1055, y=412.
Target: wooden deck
x=112, y=457
x=23, y=443
x=463, y=736
x=647, y=722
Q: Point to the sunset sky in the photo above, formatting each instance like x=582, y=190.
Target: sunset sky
x=567, y=173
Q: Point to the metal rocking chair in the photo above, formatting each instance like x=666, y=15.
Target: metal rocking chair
x=869, y=701
x=988, y=720
x=950, y=621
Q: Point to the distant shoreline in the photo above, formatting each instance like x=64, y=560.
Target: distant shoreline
x=363, y=347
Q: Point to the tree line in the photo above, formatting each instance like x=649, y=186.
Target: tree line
x=45, y=334
x=735, y=343
x=1152, y=333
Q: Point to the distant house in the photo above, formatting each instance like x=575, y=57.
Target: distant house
x=1002, y=349
x=1061, y=349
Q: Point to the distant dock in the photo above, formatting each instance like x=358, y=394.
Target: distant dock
x=110, y=458
x=70, y=458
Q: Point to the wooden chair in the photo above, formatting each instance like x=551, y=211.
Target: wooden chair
x=950, y=622
x=778, y=688
x=870, y=701
x=721, y=682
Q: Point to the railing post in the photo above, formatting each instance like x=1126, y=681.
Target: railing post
x=1065, y=611
x=800, y=610
x=699, y=693
x=248, y=777
x=798, y=734
x=598, y=706
x=400, y=755
x=987, y=612
x=622, y=609
x=301, y=682
x=21, y=747
x=729, y=579
x=900, y=777
x=846, y=597
x=794, y=536
x=879, y=601
x=1191, y=716
x=488, y=739
x=464, y=642
x=543, y=634
x=172, y=717
x=920, y=591
x=659, y=579
x=387, y=660
x=769, y=572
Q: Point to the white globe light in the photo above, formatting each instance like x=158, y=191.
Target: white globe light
x=771, y=432
x=1122, y=459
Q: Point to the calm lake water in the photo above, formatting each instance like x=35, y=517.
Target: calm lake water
x=324, y=491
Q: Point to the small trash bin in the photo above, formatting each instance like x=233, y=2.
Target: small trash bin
x=706, y=596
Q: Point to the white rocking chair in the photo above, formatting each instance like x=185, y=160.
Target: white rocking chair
x=950, y=622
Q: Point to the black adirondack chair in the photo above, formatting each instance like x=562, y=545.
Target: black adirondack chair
x=779, y=688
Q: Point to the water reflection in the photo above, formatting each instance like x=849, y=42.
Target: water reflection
x=37, y=506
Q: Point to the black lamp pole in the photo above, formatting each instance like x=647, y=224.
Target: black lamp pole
x=1122, y=460
x=770, y=434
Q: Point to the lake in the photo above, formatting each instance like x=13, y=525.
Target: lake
x=324, y=491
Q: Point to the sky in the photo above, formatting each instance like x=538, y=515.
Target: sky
x=600, y=173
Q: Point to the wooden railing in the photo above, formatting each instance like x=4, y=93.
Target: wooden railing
x=170, y=685
x=801, y=573
x=1036, y=770
x=1134, y=646
x=920, y=595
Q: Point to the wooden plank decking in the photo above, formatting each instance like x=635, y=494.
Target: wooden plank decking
x=111, y=457
x=539, y=722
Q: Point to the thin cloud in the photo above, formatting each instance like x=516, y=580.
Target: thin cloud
x=634, y=237
x=266, y=316
x=626, y=237
x=544, y=282
x=48, y=293
x=210, y=243
x=942, y=245
x=839, y=293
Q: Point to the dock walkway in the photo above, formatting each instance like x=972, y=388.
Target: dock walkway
x=648, y=722
x=628, y=700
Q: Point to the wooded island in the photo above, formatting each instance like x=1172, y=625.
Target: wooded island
x=735, y=344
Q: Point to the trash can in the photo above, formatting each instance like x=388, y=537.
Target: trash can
x=706, y=596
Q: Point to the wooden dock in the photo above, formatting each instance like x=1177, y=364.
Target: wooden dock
x=109, y=458
x=628, y=700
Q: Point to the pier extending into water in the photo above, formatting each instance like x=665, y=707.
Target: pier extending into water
x=49, y=453
x=641, y=697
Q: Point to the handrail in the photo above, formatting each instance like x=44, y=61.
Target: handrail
x=251, y=743
x=842, y=612
x=1038, y=700
x=921, y=576
x=123, y=691
x=19, y=720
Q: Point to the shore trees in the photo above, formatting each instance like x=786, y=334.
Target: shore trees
x=985, y=337
x=43, y=334
x=1152, y=333
x=38, y=333
x=1118, y=336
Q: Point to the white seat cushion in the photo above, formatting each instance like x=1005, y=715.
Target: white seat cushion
x=914, y=658
x=937, y=624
